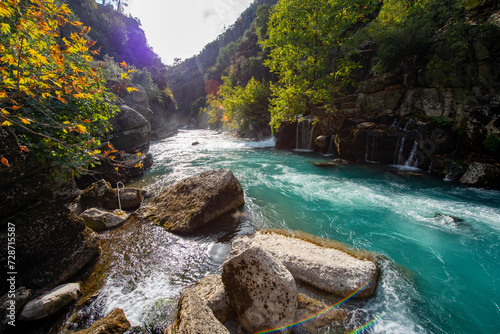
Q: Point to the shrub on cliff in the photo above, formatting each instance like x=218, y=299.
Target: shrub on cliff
x=52, y=97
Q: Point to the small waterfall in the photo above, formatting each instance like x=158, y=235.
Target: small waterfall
x=398, y=157
x=309, y=145
x=412, y=158
x=371, y=146
x=304, y=135
x=330, y=146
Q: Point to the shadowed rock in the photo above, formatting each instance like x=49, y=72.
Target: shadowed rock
x=194, y=316
x=482, y=175
x=212, y=290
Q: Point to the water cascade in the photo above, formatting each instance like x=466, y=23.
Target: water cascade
x=371, y=151
x=304, y=135
x=329, y=152
x=412, y=158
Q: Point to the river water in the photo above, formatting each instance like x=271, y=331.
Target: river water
x=439, y=243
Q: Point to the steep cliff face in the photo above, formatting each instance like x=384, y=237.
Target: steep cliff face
x=411, y=118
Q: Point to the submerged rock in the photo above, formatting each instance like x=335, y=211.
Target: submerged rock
x=315, y=261
x=100, y=220
x=194, y=316
x=262, y=290
x=114, y=323
x=195, y=201
x=50, y=303
x=482, y=175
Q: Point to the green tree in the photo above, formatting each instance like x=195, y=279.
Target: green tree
x=245, y=108
x=52, y=97
x=311, y=46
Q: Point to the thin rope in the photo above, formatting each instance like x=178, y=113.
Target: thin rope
x=118, y=191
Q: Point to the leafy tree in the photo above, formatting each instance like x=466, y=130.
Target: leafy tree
x=245, y=108
x=306, y=39
x=52, y=97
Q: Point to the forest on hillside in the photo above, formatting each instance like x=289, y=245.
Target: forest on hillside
x=286, y=59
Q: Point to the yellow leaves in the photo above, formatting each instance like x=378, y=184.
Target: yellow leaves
x=3, y=95
x=7, y=123
x=81, y=129
x=76, y=23
x=132, y=89
x=139, y=154
x=5, y=28
x=125, y=75
x=5, y=112
x=5, y=9
x=139, y=165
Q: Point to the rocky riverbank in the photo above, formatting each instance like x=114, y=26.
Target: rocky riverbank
x=274, y=278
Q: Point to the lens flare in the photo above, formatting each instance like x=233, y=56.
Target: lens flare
x=352, y=295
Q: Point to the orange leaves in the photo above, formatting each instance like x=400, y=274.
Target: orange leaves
x=123, y=64
x=4, y=162
x=23, y=149
x=77, y=128
x=96, y=52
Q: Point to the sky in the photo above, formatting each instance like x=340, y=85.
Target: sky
x=181, y=28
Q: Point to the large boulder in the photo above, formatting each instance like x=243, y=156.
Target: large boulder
x=114, y=323
x=194, y=316
x=101, y=220
x=131, y=131
x=195, y=201
x=52, y=244
x=212, y=291
x=262, y=290
x=316, y=261
x=482, y=175
x=50, y=303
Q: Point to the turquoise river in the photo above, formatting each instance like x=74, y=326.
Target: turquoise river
x=438, y=242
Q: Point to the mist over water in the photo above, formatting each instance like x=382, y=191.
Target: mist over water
x=439, y=243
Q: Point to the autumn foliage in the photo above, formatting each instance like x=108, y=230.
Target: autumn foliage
x=52, y=94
